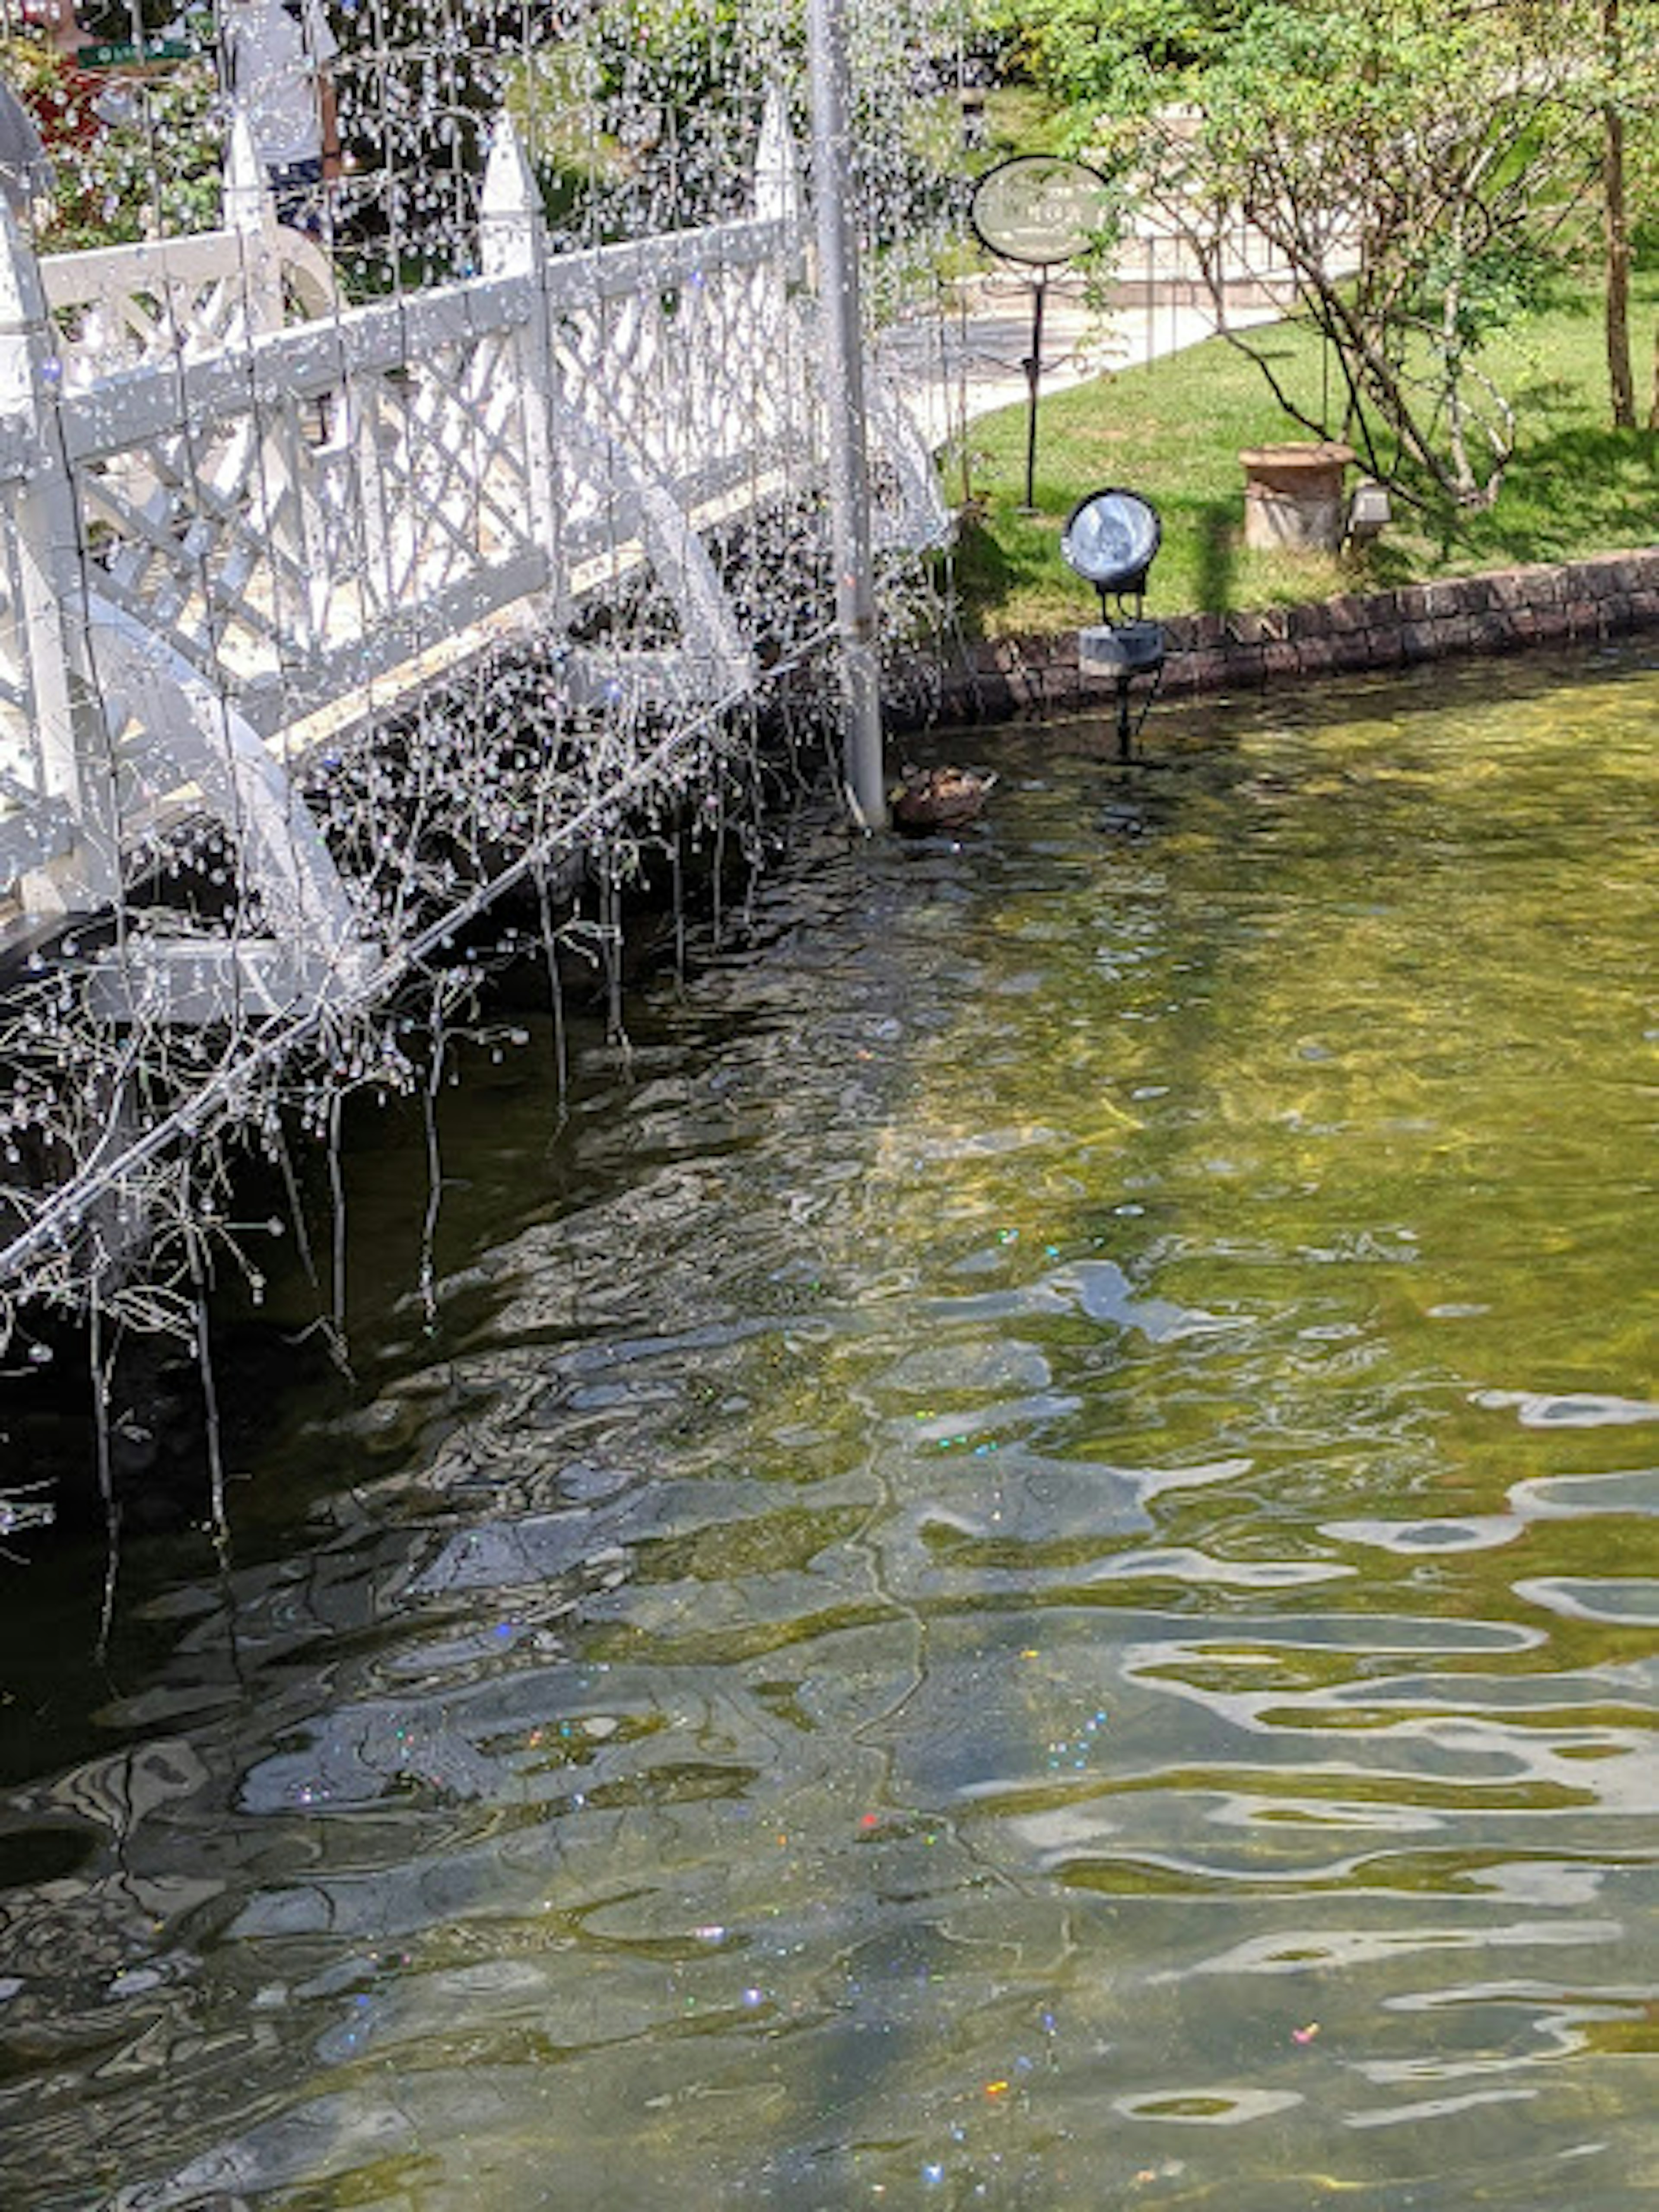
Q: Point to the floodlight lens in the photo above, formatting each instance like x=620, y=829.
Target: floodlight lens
x=1112, y=538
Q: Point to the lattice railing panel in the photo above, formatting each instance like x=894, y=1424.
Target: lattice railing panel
x=269, y=547
x=699, y=376
x=180, y=299
x=204, y=541
x=447, y=443
x=128, y=327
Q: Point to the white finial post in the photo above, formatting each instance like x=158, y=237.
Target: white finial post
x=250, y=210
x=777, y=192
x=246, y=194
x=512, y=243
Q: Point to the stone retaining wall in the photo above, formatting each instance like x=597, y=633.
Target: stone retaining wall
x=1505, y=611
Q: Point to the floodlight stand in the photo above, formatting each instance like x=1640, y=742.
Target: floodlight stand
x=1125, y=647
x=851, y=535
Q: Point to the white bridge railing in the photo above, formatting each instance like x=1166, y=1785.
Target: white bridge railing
x=236, y=512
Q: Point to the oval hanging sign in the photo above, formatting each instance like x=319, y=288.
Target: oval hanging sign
x=1038, y=208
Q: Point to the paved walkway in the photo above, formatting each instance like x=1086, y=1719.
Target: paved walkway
x=973, y=362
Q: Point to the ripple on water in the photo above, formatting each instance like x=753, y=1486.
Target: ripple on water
x=1009, y=1572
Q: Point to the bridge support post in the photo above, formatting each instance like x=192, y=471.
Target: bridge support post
x=43, y=645
x=850, y=474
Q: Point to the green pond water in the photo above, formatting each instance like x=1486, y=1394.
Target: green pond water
x=1021, y=1568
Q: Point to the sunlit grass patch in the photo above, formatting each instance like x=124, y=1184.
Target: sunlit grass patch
x=1174, y=429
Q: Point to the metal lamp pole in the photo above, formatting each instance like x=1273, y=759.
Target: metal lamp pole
x=849, y=477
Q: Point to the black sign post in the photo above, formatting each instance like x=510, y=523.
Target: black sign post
x=1039, y=210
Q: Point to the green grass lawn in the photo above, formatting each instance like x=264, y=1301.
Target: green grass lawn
x=1172, y=430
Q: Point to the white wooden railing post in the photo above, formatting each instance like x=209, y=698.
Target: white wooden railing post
x=250, y=210
x=776, y=193
x=250, y=214
x=44, y=621
x=513, y=242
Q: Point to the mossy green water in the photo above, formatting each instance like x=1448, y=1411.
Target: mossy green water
x=1020, y=1568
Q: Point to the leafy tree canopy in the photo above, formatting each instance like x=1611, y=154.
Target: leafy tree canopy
x=1087, y=49
x=1414, y=165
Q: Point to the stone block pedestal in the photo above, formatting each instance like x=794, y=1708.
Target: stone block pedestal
x=1294, y=499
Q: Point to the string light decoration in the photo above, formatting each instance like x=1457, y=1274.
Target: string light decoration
x=460, y=534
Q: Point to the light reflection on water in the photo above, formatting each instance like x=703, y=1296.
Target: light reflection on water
x=1022, y=1572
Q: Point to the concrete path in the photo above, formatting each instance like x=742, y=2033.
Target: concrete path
x=972, y=361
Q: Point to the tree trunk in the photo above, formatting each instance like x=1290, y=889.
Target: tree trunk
x=1452, y=396
x=1621, y=378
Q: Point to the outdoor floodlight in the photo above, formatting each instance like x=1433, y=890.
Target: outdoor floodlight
x=1111, y=539
x=1369, y=511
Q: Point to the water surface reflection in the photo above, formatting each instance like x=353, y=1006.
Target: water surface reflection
x=1021, y=1571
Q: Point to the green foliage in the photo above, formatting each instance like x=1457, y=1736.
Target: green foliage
x=1416, y=165
x=646, y=110
x=1476, y=296
x=1082, y=51
x=631, y=71
x=145, y=163
x=1464, y=138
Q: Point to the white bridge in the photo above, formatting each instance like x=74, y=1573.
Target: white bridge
x=244, y=523
x=237, y=514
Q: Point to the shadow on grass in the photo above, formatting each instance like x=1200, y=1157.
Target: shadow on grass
x=1580, y=489
x=1550, y=393
x=1583, y=489
x=1215, y=527
x=1001, y=561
